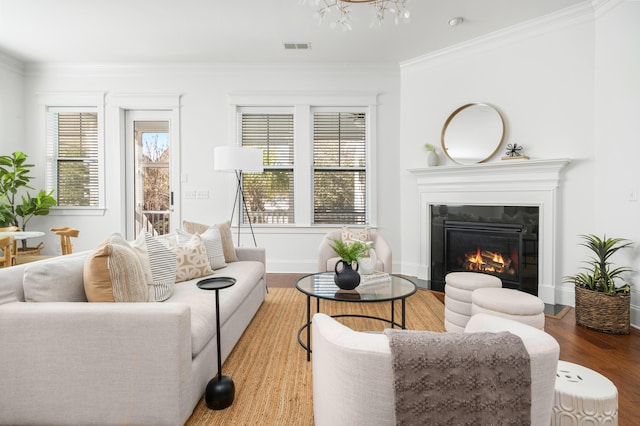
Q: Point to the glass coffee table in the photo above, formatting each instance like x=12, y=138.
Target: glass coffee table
x=322, y=286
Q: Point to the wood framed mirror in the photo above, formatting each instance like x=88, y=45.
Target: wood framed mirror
x=472, y=133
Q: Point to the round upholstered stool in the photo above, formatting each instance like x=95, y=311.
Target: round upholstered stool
x=457, y=296
x=583, y=397
x=509, y=303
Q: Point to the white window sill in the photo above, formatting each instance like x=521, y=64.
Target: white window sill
x=77, y=211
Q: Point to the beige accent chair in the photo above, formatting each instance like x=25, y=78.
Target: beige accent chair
x=327, y=258
x=353, y=374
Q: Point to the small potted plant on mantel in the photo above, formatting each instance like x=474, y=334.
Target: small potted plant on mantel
x=601, y=304
x=346, y=277
x=432, y=156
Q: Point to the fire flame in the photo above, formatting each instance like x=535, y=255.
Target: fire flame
x=477, y=262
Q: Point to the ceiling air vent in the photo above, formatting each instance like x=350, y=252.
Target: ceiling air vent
x=297, y=46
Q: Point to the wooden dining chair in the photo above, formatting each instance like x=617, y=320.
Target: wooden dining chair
x=14, y=248
x=6, y=245
x=65, y=238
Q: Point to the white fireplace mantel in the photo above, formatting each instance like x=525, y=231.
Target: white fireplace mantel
x=505, y=183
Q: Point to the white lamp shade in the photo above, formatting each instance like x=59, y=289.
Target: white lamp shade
x=232, y=158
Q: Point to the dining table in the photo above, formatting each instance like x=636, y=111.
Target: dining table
x=22, y=235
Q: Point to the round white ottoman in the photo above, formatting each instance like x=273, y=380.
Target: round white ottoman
x=583, y=397
x=509, y=303
x=457, y=296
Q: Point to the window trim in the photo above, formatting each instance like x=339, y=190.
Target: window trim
x=82, y=102
x=303, y=105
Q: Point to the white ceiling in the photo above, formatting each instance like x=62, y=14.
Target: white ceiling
x=242, y=31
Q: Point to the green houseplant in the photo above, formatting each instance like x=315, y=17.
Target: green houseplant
x=602, y=297
x=17, y=205
x=347, y=278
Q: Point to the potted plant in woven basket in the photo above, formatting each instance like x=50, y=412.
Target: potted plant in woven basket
x=601, y=304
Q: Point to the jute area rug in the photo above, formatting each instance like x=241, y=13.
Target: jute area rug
x=270, y=369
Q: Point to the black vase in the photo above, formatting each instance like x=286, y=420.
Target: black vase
x=346, y=278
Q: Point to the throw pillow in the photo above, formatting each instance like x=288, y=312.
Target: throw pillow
x=355, y=234
x=194, y=227
x=58, y=279
x=139, y=247
x=191, y=258
x=227, y=242
x=162, y=266
x=212, y=243
x=225, y=235
x=113, y=273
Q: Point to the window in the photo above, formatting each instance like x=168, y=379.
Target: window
x=319, y=158
x=269, y=195
x=73, y=143
x=339, y=168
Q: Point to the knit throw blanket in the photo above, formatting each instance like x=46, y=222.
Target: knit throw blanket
x=460, y=378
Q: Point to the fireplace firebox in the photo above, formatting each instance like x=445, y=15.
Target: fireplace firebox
x=497, y=240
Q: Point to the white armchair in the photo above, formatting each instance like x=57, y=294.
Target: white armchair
x=353, y=376
x=327, y=258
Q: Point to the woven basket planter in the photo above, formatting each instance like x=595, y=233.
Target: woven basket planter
x=30, y=251
x=609, y=313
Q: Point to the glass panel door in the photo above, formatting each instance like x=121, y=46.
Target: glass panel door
x=149, y=184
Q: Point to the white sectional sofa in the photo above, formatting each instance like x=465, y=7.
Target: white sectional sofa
x=69, y=361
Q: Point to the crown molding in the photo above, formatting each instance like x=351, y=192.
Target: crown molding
x=11, y=64
x=602, y=7
x=565, y=18
x=102, y=69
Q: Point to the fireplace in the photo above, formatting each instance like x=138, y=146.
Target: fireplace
x=532, y=183
x=496, y=240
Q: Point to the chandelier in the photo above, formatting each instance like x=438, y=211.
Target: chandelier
x=397, y=8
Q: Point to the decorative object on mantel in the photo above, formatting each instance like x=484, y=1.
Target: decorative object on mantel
x=343, y=8
x=600, y=304
x=472, y=133
x=432, y=156
x=513, y=152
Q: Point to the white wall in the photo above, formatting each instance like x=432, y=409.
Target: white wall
x=204, y=124
x=11, y=105
x=617, y=130
x=541, y=75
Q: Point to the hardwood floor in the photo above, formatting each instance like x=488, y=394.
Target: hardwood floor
x=616, y=357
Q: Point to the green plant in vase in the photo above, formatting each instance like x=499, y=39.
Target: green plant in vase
x=432, y=155
x=347, y=278
x=349, y=252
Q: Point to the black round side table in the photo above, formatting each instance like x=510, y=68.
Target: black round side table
x=220, y=390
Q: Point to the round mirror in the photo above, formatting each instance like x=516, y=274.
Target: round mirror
x=472, y=133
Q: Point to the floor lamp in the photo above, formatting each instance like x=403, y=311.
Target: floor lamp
x=238, y=159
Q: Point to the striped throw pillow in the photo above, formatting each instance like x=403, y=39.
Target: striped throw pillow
x=163, y=268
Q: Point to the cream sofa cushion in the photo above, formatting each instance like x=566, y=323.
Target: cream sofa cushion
x=58, y=279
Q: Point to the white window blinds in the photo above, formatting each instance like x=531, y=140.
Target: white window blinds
x=339, y=168
x=73, y=139
x=269, y=195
